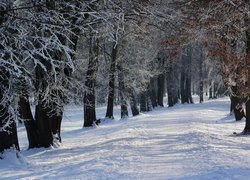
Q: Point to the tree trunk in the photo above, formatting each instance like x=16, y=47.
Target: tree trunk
x=122, y=92
x=210, y=91
x=124, y=108
x=8, y=135
x=214, y=91
x=170, y=89
x=247, y=124
x=90, y=83
x=110, y=106
x=161, y=89
x=189, y=94
x=184, y=97
x=201, y=76
x=149, y=102
x=186, y=94
x=8, y=131
x=29, y=122
x=152, y=92
x=41, y=111
x=43, y=124
x=143, y=102
x=236, y=104
x=201, y=91
x=89, y=109
x=133, y=104
x=55, y=117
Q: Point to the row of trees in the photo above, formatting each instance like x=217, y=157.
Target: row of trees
x=39, y=41
x=125, y=52
x=223, y=27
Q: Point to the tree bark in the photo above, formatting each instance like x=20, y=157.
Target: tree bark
x=170, y=87
x=236, y=104
x=201, y=76
x=43, y=124
x=110, y=106
x=152, y=92
x=210, y=91
x=214, y=91
x=247, y=124
x=29, y=122
x=8, y=136
x=55, y=117
x=184, y=96
x=189, y=93
x=8, y=131
x=133, y=104
x=90, y=83
x=201, y=92
x=122, y=92
x=143, y=102
x=161, y=89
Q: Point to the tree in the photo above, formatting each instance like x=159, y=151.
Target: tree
x=186, y=96
x=8, y=131
x=90, y=83
x=112, y=70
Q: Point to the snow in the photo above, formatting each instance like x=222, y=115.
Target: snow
x=182, y=142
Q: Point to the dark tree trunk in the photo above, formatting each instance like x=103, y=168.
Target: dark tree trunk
x=55, y=117
x=90, y=83
x=201, y=76
x=124, y=108
x=184, y=97
x=89, y=109
x=42, y=111
x=110, y=106
x=8, y=131
x=133, y=104
x=189, y=94
x=8, y=136
x=201, y=91
x=210, y=92
x=186, y=94
x=161, y=89
x=152, y=92
x=236, y=104
x=43, y=124
x=149, y=102
x=247, y=125
x=170, y=97
x=215, y=91
x=170, y=86
x=122, y=92
x=29, y=122
x=143, y=102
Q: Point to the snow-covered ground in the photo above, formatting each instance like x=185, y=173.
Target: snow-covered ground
x=183, y=142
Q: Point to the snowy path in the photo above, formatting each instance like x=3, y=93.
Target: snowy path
x=184, y=142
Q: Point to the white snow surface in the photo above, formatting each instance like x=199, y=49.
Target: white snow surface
x=183, y=142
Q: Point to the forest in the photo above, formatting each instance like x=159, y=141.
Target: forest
x=131, y=57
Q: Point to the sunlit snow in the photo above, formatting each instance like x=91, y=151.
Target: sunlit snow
x=183, y=142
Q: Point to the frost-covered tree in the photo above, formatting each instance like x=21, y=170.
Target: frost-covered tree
x=38, y=47
x=220, y=22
